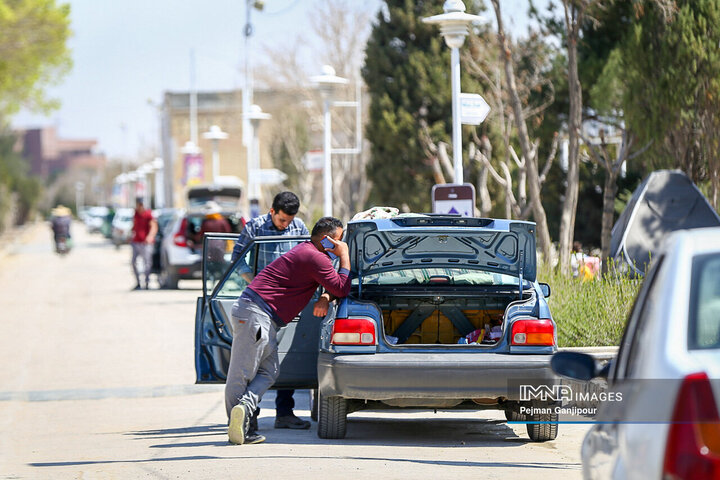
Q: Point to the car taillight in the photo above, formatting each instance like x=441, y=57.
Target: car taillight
x=532, y=332
x=179, y=238
x=353, y=331
x=693, y=444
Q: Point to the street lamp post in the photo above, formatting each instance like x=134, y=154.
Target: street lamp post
x=158, y=167
x=326, y=83
x=454, y=28
x=215, y=134
x=255, y=115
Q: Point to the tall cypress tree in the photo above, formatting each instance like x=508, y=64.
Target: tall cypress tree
x=407, y=71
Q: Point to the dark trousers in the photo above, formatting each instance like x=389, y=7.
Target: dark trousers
x=284, y=403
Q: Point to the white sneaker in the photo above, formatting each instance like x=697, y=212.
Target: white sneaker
x=239, y=421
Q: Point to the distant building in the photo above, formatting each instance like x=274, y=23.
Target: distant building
x=49, y=155
x=223, y=109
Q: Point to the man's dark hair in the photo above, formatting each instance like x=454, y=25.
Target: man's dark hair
x=288, y=202
x=326, y=226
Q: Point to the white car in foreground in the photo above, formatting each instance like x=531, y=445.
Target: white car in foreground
x=666, y=425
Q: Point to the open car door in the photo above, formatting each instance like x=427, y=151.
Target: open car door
x=223, y=282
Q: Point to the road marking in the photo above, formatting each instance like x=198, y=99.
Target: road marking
x=104, y=393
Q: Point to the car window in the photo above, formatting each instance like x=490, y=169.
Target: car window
x=257, y=256
x=427, y=276
x=217, y=253
x=704, y=314
x=643, y=309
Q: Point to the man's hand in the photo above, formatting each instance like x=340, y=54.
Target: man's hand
x=322, y=305
x=340, y=248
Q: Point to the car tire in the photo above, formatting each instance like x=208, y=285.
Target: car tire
x=542, y=432
x=515, y=416
x=166, y=279
x=332, y=417
x=314, y=404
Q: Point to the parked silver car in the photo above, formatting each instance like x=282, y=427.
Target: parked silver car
x=181, y=249
x=665, y=424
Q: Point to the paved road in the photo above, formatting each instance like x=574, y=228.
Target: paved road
x=97, y=382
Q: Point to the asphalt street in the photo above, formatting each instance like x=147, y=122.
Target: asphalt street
x=98, y=382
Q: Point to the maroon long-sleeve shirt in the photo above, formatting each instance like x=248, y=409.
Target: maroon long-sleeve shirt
x=288, y=283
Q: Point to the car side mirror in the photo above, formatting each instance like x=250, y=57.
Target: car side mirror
x=575, y=365
x=545, y=289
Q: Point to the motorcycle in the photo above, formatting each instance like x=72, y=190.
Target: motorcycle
x=62, y=245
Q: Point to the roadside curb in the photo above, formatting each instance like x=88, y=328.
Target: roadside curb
x=600, y=353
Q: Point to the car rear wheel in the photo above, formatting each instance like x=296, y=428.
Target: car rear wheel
x=332, y=417
x=515, y=416
x=544, y=431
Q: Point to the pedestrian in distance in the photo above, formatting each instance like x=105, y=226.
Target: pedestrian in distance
x=280, y=220
x=278, y=293
x=144, y=230
x=60, y=224
x=214, y=221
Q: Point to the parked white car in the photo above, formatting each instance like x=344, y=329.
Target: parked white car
x=94, y=218
x=122, y=225
x=667, y=371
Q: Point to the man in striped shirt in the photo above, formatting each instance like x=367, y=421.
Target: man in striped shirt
x=279, y=221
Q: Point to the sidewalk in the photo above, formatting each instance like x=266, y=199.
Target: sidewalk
x=15, y=236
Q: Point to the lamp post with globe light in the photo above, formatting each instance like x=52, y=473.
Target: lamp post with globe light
x=255, y=115
x=327, y=83
x=454, y=25
x=215, y=134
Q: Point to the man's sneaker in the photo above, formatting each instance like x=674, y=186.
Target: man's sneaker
x=291, y=421
x=239, y=422
x=254, y=437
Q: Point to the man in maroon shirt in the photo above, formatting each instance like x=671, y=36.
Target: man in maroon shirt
x=144, y=230
x=274, y=297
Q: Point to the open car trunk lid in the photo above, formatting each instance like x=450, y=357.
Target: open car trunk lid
x=500, y=246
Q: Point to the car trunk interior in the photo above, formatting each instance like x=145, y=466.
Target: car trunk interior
x=443, y=319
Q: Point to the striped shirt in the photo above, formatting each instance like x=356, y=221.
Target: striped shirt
x=263, y=226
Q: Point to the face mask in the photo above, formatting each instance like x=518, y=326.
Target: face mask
x=328, y=244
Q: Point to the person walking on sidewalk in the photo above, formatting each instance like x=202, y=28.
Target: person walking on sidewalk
x=280, y=220
x=278, y=293
x=144, y=230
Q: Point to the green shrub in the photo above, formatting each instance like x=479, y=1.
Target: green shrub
x=590, y=313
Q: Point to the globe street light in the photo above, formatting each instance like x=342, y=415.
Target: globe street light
x=255, y=115
x=215, y=135
x=326, y=83
x=454, y=28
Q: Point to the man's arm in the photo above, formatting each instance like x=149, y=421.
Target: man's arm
x=243, y=240
x=336, y=283
x=153, y=231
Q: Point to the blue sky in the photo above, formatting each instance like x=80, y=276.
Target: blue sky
x=129, y=52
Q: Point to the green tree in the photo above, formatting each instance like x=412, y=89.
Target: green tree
x=33, y=53
x=671, y=65
x=18, y=190
x=407, y=73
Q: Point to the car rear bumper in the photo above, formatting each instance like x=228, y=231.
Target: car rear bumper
x=186, y=272
x=384, y=376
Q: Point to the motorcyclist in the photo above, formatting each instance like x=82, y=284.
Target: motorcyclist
x=60, y=222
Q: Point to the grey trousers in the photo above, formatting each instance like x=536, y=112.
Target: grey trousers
x=144, y=251
x=253, y=358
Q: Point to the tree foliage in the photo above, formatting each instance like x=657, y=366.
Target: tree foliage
x=671, y=68
x=19, y=192
x=33, y=52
